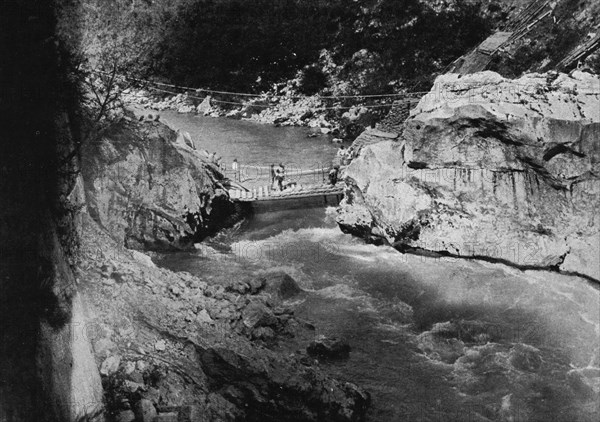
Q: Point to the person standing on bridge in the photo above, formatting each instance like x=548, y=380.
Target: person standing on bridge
x=272, y=176
x=236, y=170
x=280, y=176
x=333, y=175
x=340, y=156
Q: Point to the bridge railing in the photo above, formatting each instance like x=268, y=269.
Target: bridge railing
x=257, y=173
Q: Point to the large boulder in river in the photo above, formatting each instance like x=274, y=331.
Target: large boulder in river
x=488, y=167
x=280, y=285
x=205, y=107
x=151, y=190
x=328, y=348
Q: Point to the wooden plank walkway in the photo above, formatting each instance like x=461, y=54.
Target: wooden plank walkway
x=296, y=192
x=298, y=197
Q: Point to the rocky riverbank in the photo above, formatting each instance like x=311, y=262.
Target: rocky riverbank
x=490, y=168
x=202, y=350
x=172, y=346
x=323, y=117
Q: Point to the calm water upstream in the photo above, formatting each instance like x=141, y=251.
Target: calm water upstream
x=432, y=339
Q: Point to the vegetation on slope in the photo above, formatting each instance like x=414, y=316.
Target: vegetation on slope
x=249, y=46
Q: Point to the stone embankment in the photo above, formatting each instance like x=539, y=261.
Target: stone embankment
x=487, y=167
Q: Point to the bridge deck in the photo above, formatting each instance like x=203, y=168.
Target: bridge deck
x=296, y=192
x=298, y=197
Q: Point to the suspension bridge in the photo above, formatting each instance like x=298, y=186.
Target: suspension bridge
x=297, y=193
x=264, y=199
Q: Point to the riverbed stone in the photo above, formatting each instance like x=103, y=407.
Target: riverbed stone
x=258, y=315
x=145, y=411
x=110, y=365
x=329, y=348
x=280, y=285
x=125, y=416
x=166, y=417
x=203, y=317
x=104, y=347
x=160, y=345
x=190, y=414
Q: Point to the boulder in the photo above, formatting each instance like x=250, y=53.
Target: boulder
x=203, y=317
x=190, y=414
x=299, y=394
x=149, y=188
x=258, y=315
x=255, y=285
x=279, y=284
x=263, y=333
x=234, y=114
x=125, y=416
x=145, y=411
x=166, y=417
x=160, y=345
x=205, y=106
x=354, y=121
x=104, y=347
x=186, y=109
x=132, y=386
x=254, y=108
x=487, y=167
x=184, y=139
x=110, y=365
x=329, y=348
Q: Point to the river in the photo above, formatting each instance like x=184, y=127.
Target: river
x=432, y=339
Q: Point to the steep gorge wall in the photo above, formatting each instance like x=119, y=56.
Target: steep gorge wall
x=47, y=373
x=492, y=168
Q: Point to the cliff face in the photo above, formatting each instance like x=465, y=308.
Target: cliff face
x=488, y=167
x=147, y=188
x=46, y=368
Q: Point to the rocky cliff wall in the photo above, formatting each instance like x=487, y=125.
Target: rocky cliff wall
x=150, y=190
x=489, y=167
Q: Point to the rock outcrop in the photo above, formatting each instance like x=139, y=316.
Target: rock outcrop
x=173, y=345
x=488, y=167
x=151, y=190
